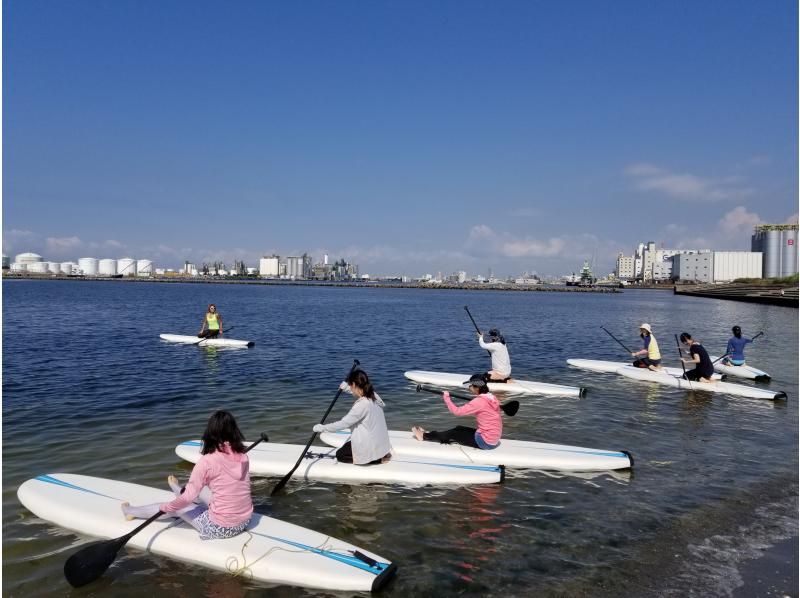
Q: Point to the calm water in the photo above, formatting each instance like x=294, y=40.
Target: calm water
x=89, y=388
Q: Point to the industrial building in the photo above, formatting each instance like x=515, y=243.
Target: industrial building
x=716, y=266
x=778, y=246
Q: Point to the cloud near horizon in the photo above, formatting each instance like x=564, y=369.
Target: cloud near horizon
x=685, y=186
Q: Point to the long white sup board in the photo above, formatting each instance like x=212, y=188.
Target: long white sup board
x=520, y=386
x=205, y=342
x=722, y=387
x=320, y=464
x=611, y=367
x=270, y=550
x=512, y=453
x=741, y=371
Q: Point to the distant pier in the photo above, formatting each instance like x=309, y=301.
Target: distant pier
x=770, y=294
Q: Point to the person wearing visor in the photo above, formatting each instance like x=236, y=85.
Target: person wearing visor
x=212, y=323
x=486, y=409
x=704, y=368
x=735, y=350
x=501, y=362
x=649, y=356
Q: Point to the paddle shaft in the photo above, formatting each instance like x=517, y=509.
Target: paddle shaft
x=279, y=486
x=205, y=338
x=509, y=408
x=680, y=356
x=728, y=354
x=616, y=339
x=474, y=324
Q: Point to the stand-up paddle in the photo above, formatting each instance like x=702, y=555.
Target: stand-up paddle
x=279, y=486
x=509, y=408
x=616, y=339
x=205, y=338
x=91, y=561
x=474, y=324
x=683, y=365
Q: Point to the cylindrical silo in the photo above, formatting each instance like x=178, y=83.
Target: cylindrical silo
x=28, y=258
x=38, y=267
x=67, y=267
x=18, y=267
x=54, y=267
x=144, y=268
x=789, y=252
x=126, y=266
x=778, y=243
x=107, y=267
x=88, y=266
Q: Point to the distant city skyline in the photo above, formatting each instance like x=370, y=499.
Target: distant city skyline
x=406, y=138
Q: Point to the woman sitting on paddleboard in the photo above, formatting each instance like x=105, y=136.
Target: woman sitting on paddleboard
x=649, y=356
x=735, y=350
x=704, y=369
x=369, y=436
x=221, y=481
x=212, y=323
x=486, y=409
x=501, y=362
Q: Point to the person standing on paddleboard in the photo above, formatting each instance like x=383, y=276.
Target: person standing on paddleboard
x=221, y=481
x=704, y=368
x=369, y=437
x=486, y=409
x=735, y=349
x=649, y=356
x=212, y=323
x=501, y=362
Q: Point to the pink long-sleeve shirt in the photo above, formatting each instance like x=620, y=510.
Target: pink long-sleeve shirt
x=486, y=409
x=227, y=474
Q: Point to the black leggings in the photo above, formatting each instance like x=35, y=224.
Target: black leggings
x=459, y=435
x=345, y=454
x=209, y=334
x=695, y=375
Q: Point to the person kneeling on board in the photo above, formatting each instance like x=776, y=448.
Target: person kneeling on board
x=220, y=481
x=735, y=350
x=212, y=323
x=649, y=356
x=704, y=369
x=501, y=362
x=369, y=438
x=486, y=409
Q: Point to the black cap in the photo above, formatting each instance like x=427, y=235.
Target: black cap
x=736, y=329
x=478, y=380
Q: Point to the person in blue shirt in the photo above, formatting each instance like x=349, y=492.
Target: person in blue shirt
x=735, y=351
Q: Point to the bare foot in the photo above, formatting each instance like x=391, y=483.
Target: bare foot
x=174, y=485
x=417, y=432
x=124, y=506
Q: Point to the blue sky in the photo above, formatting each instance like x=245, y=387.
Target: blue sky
x=409, y=137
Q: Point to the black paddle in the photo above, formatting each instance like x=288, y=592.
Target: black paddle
x=285, y=478
x=91, y=561
x=474, y=324
x=680, y=356
x=616, y=339
x=728, y=354
x=509, y=408
x=205, y=338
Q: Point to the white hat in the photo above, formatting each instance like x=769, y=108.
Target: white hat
x=646, y=327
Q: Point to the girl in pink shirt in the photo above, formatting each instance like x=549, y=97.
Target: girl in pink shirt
x=220, y=480
x=486, y=409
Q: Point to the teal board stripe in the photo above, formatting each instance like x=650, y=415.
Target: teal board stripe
x=51, y=480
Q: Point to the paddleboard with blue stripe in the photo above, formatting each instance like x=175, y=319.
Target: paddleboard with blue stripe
x=271, y=459
x=271, y=550
x=512, y=453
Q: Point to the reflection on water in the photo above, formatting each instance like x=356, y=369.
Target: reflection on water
x=108, y=401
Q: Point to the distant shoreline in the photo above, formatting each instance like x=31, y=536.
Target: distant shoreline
x=472, y=286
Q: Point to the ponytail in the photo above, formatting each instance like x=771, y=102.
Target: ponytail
x=360, y=379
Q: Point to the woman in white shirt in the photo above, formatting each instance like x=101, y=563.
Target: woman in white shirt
x=501, y=362
x=369, y=438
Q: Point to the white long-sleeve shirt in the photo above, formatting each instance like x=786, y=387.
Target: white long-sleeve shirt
x=501, y=362
x=369, y=434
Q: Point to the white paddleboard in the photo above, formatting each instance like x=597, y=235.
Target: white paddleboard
x=512, y=453
x=515, y=386
x=320, y=464
x=611, y=367
x=205, y=342
x=741, y=371
x=723, y=387
x=270, y=550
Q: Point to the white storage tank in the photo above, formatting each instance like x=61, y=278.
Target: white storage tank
x=37, y=267
x=54, y=267
x=107, y=267
x=67, y=268
x=144, y=268
x=28, y=258
x=126, y=266
x=18, y=267
x=88, y=266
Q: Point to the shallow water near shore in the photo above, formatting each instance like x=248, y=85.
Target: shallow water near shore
x=89, y=388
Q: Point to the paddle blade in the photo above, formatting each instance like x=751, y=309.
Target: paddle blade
x=91, y=561
x=510, y=408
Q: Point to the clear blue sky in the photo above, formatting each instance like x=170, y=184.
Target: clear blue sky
x=409, y=137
